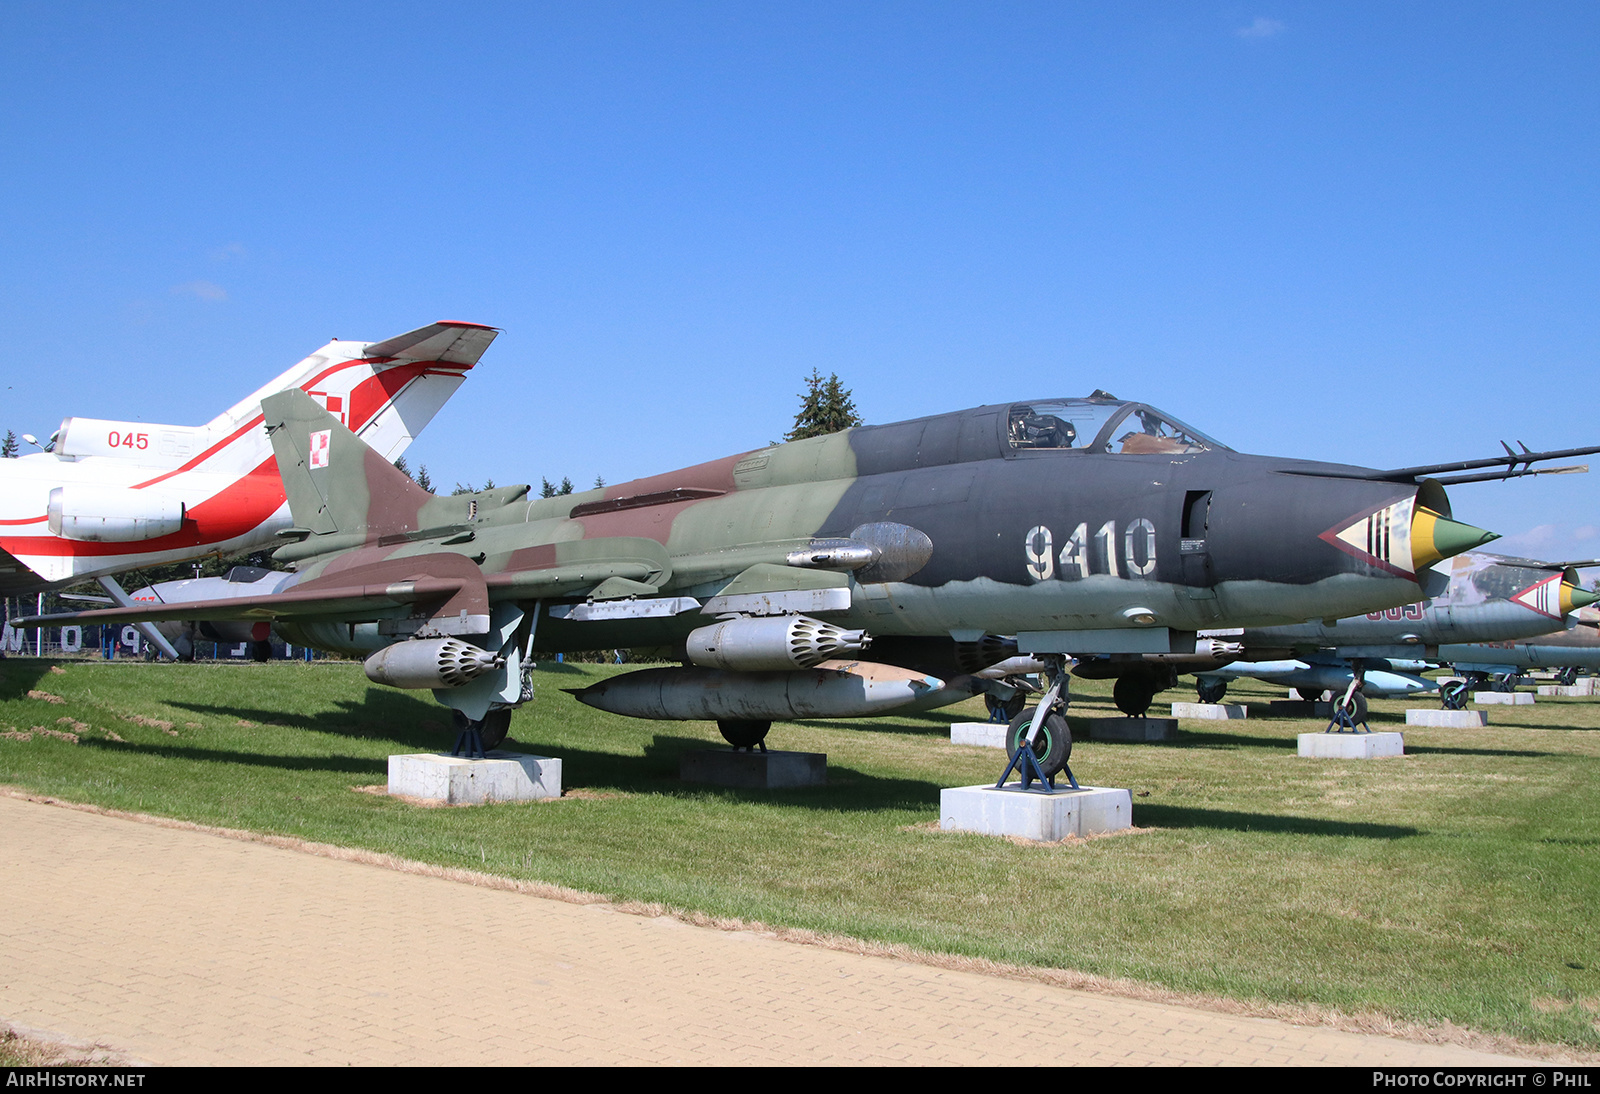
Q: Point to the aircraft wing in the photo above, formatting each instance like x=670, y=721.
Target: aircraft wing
x=432, y=585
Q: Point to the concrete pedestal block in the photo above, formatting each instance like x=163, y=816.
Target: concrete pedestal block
x=1573, y=691
x=984, y=734
x=1503, y=698
x=456, y=780
x=1035, y=814
x=1448, y=719
x=1131, y=729
x=1217, y=712
x=1351, y=746
x=754, y=770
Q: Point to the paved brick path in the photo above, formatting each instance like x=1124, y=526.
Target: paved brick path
x=185, y=947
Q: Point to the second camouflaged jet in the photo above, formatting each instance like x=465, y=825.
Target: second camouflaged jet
x=1490, y=598
x=859, y=573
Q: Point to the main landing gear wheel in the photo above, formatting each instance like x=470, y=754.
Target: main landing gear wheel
x=492, y=730
x=1453, y=695
x=1210, y=691
x=1133, y=695
x=745, y=733
x=261, y=650
x=1052, y=748
x=1009, y=707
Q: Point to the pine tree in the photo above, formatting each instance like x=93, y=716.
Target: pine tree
x=8, y=448
x=826, y=407
x=400, y=466
x=423, y=480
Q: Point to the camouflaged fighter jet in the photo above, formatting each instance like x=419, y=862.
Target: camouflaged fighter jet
x=1490, y=598
x=859, y=573
x=1501, y=665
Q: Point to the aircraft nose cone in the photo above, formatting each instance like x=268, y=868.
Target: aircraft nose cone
x=1577, y=597
x=1434, y=537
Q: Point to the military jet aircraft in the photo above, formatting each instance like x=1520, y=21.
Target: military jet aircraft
x=1501, y=664
x=1081, y=527
x=1490, y=598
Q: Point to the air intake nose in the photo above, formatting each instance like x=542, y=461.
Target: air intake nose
x=1434, y=537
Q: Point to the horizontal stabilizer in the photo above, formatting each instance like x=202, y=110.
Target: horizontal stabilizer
x=453, y=343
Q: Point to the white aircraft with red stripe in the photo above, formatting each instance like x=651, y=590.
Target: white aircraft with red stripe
x=107, y=496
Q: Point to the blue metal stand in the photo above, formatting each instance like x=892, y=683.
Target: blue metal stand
x=472, y=741
x=1342, y=722
x=1027, y=768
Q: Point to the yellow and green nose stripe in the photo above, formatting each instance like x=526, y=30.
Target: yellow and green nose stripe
x=1434, y=537
x=1574, y=597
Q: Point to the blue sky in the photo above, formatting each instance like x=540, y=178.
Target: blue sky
x=1358, y=232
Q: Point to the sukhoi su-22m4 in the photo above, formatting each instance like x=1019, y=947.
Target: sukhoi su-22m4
x=874, y=570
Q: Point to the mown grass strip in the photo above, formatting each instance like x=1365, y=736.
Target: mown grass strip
x=1456, y=885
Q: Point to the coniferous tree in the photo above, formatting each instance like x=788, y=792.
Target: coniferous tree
x=826, y=407
x=8, y=448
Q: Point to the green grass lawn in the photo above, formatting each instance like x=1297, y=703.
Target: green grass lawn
x=1456, y=884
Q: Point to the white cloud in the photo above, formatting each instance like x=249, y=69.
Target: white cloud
x=1261, y=28
x=225, y=252
x=204, y=290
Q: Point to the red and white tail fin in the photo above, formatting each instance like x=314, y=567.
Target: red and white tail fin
x=383, y=392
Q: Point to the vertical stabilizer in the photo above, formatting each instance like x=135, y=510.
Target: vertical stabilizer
x=333, y=481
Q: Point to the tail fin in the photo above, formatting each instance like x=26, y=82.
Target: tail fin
x=385, y=392
x=335, y=482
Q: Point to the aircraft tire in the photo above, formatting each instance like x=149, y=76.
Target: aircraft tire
x=1357, y=707
x=261, y=651
x=1011, y=707
x=744, y=732
x=1453, y=696
x=494, y=729
x=1210, y=692
x=1052, y=748
x=1133, y=695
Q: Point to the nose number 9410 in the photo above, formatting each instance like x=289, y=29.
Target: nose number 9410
x=1080, y=556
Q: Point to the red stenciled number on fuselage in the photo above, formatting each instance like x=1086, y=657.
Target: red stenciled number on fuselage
x=128, y=440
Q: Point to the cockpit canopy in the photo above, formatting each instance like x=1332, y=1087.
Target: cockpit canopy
x=1102, y=424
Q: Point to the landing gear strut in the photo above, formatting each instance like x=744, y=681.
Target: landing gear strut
x=1038, y=738
x=1350, y=709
